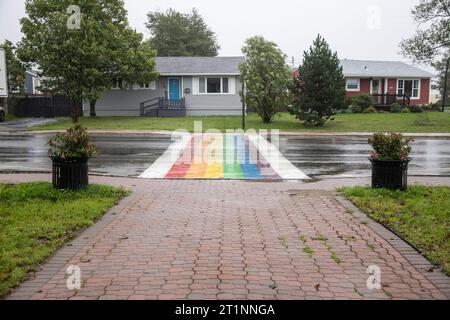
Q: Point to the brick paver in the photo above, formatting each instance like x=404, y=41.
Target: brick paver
x=228, y=240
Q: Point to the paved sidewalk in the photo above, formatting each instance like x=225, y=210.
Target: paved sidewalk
x=229, y=240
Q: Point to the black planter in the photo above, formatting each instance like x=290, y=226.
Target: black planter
x=390, y=174
x=70, y=173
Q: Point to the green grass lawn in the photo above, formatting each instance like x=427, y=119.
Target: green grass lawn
x=36, y=220
x=421, y=215
x=412, y=122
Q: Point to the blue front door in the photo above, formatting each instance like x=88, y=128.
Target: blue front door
x=174, y=89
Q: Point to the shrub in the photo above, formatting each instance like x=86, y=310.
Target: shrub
x=405, y=110
x=396, y=108
x=361, y=102
x=74, y=143
x=415, y=109
x=390, y=146
x=370, y=110
x=427, y=107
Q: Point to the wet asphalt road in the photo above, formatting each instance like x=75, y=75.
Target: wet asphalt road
x=316, y=156
x=348, y=156
x=118, y=156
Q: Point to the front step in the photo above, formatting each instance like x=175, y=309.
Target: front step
x=166, y=113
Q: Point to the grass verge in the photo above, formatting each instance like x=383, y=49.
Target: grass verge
x=36, y=220
x=421, y=215
x=406, y=123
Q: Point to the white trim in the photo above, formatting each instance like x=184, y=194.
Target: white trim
x=182, y=87
x=353, y=90
x=386, y=84
x=411, y=79
x=195, y=87
x=230, y=92
x=379, y=86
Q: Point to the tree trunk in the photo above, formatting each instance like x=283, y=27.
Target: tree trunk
x=74, y=107
x=444, y=96
x=92, y=108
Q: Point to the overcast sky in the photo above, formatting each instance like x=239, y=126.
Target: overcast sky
x=357, y=29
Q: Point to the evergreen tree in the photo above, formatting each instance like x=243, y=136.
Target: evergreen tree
x=320, y=88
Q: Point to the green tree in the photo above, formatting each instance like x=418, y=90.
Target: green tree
x=80, y=49
x=15, y=68
x=320, y=88
x=175, y=34
x=266, y=77
x=432, y=39
x=443, y=83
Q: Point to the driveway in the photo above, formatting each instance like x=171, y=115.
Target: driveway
x=184, y=239
x=22, y=124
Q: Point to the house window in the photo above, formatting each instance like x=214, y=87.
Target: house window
x=148, y=85
x=213, y=85
x=415, y=93
x=352, y=84
x=117, y=83
x=202, y=85
x=401, y=87
x=225, y=85
x=410, y=88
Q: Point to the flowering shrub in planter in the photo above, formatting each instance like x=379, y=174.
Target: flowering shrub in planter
x=70, y=153
x=390, y=159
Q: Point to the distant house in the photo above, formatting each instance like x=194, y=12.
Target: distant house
x=387, y=81
x=32, y=82
x=194, y=86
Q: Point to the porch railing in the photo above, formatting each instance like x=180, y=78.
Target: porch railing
x=161, y=103
x=389, y=98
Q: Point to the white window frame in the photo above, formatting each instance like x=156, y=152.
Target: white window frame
x=230, y=84
x=117, y=87
x=151, y=86
x=419, y=87
x=358, y=80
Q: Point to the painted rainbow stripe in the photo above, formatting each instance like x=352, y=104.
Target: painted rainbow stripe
x=221, y=157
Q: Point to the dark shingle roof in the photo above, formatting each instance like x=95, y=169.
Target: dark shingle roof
x=395, y=69
x=198, y=65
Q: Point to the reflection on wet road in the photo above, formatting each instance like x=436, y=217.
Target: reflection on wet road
x=118, y=156
x=348, y=156
x=315, y=156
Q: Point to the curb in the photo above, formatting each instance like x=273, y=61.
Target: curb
x=282, y=133
x=427, y=269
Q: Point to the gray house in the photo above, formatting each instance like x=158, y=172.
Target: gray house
x=193, y=86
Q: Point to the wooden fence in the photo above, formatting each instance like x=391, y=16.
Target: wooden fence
x=41, y=106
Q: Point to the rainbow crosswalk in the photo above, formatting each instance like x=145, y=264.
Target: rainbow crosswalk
x=223, y=156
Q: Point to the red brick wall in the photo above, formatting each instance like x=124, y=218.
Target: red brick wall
x=424, y=92
x=392, y=86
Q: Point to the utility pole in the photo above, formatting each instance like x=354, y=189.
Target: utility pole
x=293, y=63
x=444, y=96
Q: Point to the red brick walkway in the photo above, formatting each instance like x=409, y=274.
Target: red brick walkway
x=228, y=240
